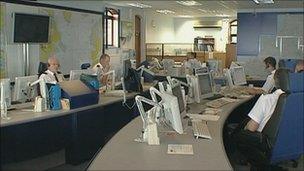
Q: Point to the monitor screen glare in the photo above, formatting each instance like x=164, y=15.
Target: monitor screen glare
x=22, y=90
x=205, y=84
x=238, y=76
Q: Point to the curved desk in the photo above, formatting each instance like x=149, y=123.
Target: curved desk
x=123, y=153
x=81, y=132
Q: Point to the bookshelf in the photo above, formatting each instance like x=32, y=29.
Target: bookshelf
x=204, y=44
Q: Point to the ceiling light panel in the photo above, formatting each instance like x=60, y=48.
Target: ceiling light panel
x=188, y=3
x=263, y=1
x=165, y=11
x=139, y=5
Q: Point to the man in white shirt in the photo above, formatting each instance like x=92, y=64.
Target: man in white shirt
x=52, y=75
x=270, y=65
x=103, y=67
x=264, y=107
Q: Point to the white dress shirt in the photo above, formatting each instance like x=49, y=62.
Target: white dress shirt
x=269, y=84
x=264, y=107
x=49, y=77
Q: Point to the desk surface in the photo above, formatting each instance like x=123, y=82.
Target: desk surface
x=123, y=153
x=24, y=115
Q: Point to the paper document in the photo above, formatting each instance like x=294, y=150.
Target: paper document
x=180, y=149
x=204, y=117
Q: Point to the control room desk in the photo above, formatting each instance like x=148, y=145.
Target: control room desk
x=123, y=153
x=81, y=132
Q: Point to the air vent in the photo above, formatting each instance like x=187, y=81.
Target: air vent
x=208, y=24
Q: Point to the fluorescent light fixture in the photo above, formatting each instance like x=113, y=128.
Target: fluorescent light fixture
x=188, y=3
x=202, y=10
x=165, y=11
x=263, y=1
x=185, y=16
x=222, y=15
x=139, y=5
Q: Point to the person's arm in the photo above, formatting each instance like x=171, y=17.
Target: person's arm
x=252, y=125
x=254, y=91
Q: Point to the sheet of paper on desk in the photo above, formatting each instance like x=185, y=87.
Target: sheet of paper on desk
x=180, y=149
x=204, y=117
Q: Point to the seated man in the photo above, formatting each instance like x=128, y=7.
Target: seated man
x=103, y=67
x=270, y=65
x=264, y=107
x=52, y=74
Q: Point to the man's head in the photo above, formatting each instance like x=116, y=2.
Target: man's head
x=270, y=63
x=53, y=64
x=300, y=66
x=104, y=60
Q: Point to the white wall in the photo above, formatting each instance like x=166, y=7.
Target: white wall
x=166, y=29
x=160, y=28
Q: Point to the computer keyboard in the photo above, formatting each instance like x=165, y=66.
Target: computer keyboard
x=114, y=93
x=205, y=117
x=200, y=129
x=220, y=102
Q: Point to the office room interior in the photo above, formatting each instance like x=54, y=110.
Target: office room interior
x=178, y=93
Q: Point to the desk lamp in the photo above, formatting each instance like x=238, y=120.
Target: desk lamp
x=3, y=104
x=149, y=133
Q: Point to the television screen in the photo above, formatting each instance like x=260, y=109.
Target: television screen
x=31, y=28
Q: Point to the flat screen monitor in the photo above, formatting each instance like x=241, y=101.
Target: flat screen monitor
x=126, y=66
x=75, y=74
x=238, y=75
x=172, y=112
x=168, y=64
x=205, y=85
x=5, y=85
x=31, y=28
x=177, y=92
x=22, y=90
x=213, y=65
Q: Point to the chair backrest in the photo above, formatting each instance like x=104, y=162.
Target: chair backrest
x=288, y=64
x=285, y=128
x=42, y=68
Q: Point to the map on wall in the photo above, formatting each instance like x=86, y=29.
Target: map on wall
x=75, y=38
x=2, y=41
x=127, y=30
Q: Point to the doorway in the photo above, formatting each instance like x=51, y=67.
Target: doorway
x=137, y=40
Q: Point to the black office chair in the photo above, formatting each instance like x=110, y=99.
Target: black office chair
x=282, y=136
x=42, y=68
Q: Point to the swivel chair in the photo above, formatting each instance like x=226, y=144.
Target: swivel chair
x=282, y=136
x=288, y=64
x=42, y=68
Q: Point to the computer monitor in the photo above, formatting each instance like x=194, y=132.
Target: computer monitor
x=194, y=63
x=213, y=65
x=205, y=85
x=171, y=112
x=22, y=90
x=227, y=74
x=168, y=64
x=177, y=92
x=6, y=90
x=75, y=74
x=126, y=64
x=238, y=75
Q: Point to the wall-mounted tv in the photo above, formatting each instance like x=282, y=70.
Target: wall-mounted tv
x=31, y=28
